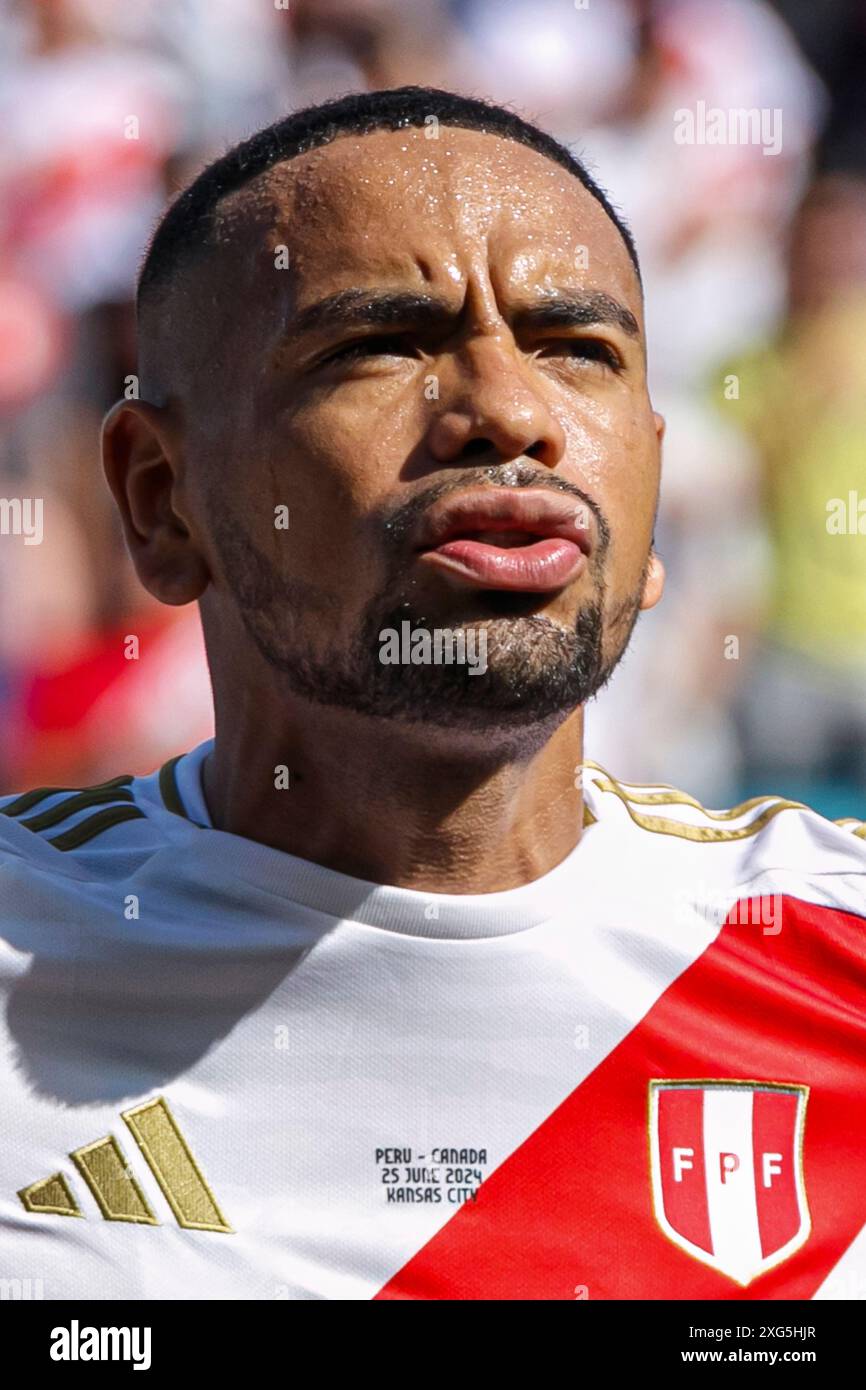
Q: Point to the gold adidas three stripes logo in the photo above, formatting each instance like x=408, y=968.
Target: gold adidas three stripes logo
x=110, y=1177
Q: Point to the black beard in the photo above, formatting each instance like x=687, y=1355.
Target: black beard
x=536, y=669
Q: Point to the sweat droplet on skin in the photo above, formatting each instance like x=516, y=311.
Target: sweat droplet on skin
x=509, y=474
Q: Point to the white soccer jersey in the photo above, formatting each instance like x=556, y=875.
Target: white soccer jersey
x=230, y=1073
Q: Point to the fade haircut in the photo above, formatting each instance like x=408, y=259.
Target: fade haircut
x=186, y=228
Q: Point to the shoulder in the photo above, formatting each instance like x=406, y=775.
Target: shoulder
x=110, y=825
x=766, y=843
x=667, y=810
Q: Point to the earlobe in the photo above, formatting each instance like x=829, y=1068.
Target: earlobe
x=655, y=582
x=141, y=457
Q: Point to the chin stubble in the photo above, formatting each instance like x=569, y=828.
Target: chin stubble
x=536, y=669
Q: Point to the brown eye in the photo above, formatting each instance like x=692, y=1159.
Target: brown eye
x=586, y=350
x=393, y=346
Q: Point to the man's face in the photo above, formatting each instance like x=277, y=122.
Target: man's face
x=430, y=352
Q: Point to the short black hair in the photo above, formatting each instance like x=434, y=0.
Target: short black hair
x=185, y=227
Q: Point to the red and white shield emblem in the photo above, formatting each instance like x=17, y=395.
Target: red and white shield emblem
x=727, y=1172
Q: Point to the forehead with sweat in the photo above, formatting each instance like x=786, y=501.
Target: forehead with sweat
x=390, y=209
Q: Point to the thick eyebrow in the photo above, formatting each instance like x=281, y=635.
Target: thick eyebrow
x=357, y=308
x=576, y=310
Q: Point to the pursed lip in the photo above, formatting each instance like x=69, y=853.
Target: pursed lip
x=535, y=511
x=532, y=541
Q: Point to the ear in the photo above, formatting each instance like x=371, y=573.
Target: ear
x=141, y=456
x=655, y=577
x=655, y=582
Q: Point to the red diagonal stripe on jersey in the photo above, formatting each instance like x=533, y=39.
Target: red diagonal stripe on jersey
x=681, y=1121
x=774, y=1132
x=572, y=1206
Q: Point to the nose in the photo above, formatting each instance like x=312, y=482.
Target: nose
x=493, y=409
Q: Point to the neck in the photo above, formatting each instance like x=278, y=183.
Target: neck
x=400, y=805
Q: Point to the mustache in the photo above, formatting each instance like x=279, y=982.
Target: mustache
x=516, y=474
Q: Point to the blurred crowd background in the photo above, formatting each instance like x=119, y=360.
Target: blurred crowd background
x=751, y=675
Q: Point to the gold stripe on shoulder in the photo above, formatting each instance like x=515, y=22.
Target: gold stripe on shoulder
x=708, y=834
x=672, y=796
x=677, y=798
x=701, y=834
x=168, y=787
x=77, y=802
x=94, y=825
x=27, y=800
x=645, y=786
